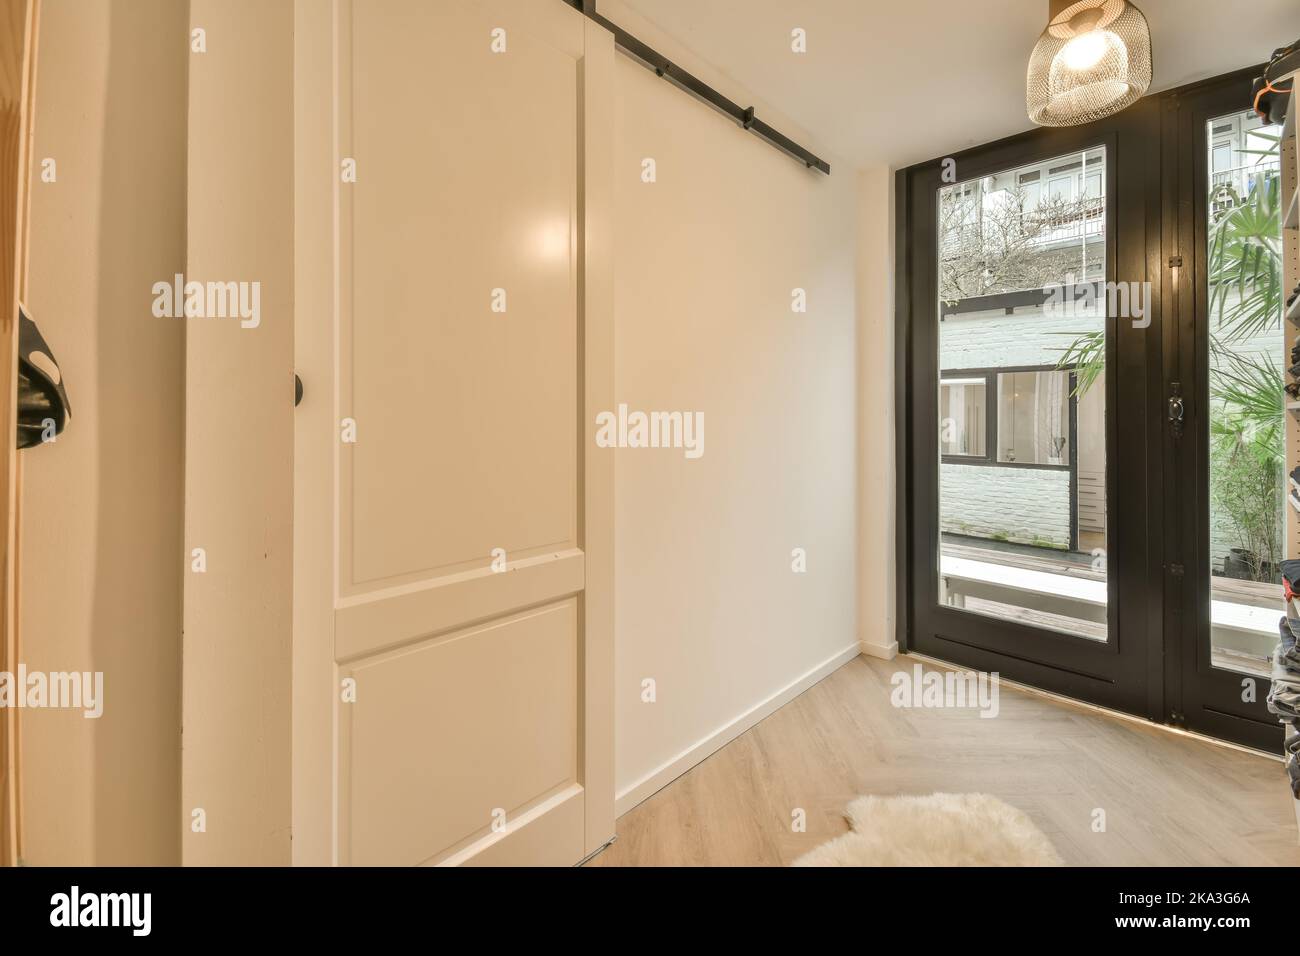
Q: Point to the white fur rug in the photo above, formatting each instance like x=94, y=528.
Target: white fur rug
x=943, y=829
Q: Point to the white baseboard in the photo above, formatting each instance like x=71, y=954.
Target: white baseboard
x=886, y=652
x=666, y=773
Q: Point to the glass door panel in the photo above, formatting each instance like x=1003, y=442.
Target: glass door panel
x=1096, y=412
x=1022, y=343
x=1245, y=450
x=1227, y=517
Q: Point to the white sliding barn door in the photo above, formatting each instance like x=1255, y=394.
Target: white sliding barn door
x=453, y=520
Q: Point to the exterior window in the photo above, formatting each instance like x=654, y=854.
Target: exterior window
x=1222, y=157
x=1061, y=188
x=1018, y=417
x=1031, y=190
x=963, y=408
x=1034, y=417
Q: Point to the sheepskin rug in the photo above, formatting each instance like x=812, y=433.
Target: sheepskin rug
x=943, y=829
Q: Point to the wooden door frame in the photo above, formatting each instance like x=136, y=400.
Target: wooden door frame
x=236, y=678
x=18, y=36
x=315, y=700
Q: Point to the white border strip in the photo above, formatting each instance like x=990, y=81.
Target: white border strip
x=666, y=773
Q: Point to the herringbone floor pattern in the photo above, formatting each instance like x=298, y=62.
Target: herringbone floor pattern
x=1169, y=800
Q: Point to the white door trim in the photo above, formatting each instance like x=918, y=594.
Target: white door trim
x=236, y=662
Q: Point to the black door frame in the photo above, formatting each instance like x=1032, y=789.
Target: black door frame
x=1148, y=224
x=1201, y=696
x=1111, y=673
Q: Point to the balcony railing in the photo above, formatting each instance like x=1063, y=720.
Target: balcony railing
x=1242, y=178
x=1041, y=225
x=1085, y=219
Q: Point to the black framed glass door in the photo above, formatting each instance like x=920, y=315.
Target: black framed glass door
x=1228, y=348
x=1090, y=410
x=1030, y=326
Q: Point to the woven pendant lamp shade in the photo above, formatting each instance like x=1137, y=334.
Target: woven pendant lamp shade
x=1093, y=60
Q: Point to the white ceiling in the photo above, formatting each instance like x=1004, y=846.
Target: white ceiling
x=902, y=81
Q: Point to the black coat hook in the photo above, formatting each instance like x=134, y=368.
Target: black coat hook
x=43, y=408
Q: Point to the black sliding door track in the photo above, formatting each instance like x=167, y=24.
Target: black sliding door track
x=667, y=69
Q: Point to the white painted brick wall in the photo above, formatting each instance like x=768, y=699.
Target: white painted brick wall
x=1022, y=505
x=997, y=340
x=1040, y=510
x=1025, y=506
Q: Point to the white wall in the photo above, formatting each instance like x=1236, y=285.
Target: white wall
x=101, y=507
x=705, y=259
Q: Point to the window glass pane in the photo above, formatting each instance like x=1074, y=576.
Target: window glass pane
x=1247, y=356
x=1034, y=418
x=963, y=408
x=1022, y=483
x=1222, y=157
x=1031, y=196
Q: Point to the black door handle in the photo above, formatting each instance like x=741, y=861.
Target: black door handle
x=1177, y=410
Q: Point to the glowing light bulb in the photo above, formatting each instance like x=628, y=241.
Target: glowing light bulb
x=1085, y=51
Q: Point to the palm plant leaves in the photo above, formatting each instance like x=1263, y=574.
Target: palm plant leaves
x=1249, y=405
x=1086, y=355
x=1244, y=262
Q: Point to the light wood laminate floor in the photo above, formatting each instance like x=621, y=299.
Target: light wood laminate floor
x=1169, y=800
